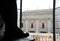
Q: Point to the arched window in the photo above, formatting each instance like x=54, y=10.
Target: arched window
x=31, y=25
x=22, y=24
x=43, y=25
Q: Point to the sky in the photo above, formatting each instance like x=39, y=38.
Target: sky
x=37, y=4
x=34, y=5
x=57, y=3
x=18, y=4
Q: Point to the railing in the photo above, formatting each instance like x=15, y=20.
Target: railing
x=44, y=36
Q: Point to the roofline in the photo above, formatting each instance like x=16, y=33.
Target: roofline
x=57, y=7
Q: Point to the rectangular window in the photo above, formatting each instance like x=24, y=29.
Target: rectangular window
x=39, y=10
x=31, y=25
x=43, y=25
x=22, y=24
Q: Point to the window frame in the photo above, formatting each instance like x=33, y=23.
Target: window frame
x=53, y=17
x=54, y=2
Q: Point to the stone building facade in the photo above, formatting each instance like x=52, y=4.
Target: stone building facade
x=37, y=21
x=57, y=20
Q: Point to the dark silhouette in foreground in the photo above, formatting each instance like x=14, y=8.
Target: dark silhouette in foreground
x=8, y=9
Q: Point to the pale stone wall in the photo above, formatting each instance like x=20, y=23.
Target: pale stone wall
x=57, y=20
x=37, y=20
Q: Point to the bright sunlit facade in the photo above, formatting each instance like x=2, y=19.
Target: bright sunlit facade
x=37, y=21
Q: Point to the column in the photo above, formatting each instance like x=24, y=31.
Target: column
x=40, y=24
x=34, y=27
x=26, y=25
x=46, y=24
x=49, y=26
x=37, y=26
